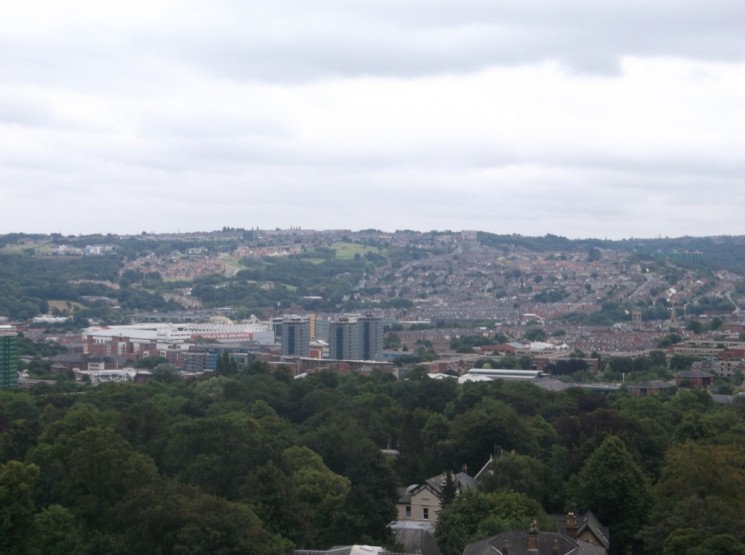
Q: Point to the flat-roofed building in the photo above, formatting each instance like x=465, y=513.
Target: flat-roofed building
x=295, y=336
x=370, y=337
x=343, y=339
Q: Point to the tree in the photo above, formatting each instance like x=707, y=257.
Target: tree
x=612, y=486
x=688, y=471
x=226, y=365
x=216, y=453
x=692, y=541
x=91, y=471
x=392, y=341
x=299, y=496
x=474, y=515
x=56, y=532
x=369, y=506
x=535, y=334
x=448, y=491
x=17, y=481
x=474, y=433
x=682, y=362
x=593, y=254
x=169, y=517
x=514, y=472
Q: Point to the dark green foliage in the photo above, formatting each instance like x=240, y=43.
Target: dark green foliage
x=299, y=496
x=56, y=532
x=551, y=296
x=682, y=362
x=213, y=453
x=565, y=367
x=690, y=492
x=17, y=481
x=612, y=486
x=475, y=515
x=369, y=505
x=41, y=349
x=449, y=490
x=692, y=541
x=169, y=517
x=474, y=434
x=254, y=461
x=466, y=343
x=518, y=473
x=535, y=334
x=226, y=365
x=539, y=244
x=27, y=283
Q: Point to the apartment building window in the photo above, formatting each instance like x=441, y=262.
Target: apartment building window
x=425, y=513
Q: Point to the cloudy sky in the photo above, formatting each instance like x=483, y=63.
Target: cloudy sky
x=620, y=118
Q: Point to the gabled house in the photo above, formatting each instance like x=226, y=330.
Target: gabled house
x=418, y=506
x=654, y=387
x=586, y=528
x=423, y=501
x=697, y=379
x=569, y=541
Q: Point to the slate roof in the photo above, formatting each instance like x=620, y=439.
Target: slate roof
x=691, y=374
x=654, y=384
x=518, y=545
x=587, y=521
x=416, y=536
x=462, y=482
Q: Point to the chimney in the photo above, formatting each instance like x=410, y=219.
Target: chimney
x=571, y=527
x=506, y=548
x=533, y=536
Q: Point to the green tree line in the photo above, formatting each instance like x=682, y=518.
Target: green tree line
x=251, y=461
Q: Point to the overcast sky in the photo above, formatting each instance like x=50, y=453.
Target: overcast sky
x=614, y=118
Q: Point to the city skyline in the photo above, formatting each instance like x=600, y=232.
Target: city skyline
x=581, y=120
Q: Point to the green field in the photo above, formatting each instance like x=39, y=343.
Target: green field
x=346, y=251
x=62, y=306
x=40, y=249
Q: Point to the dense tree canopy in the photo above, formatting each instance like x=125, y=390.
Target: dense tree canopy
x=254, y=461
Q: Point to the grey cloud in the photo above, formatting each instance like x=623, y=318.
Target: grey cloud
x=189, y=134
x=415, y=38
x=300, y=41
x=17, y=110
x=215, y=126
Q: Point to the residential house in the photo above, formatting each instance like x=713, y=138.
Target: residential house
x=418, y=507
x=654, y=387
x=573, y=539
x=423, y=501
x=696, y=379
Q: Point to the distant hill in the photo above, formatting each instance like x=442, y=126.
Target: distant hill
x=719, y=252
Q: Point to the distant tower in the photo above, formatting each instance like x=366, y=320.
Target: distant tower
x=277, y=328
x=673, y=315
x=636, y=318
x=343, y=340
x=8, y=357
x=295, y=336
x=370, y=337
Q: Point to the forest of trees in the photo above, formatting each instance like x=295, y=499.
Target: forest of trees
x=248, y=461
